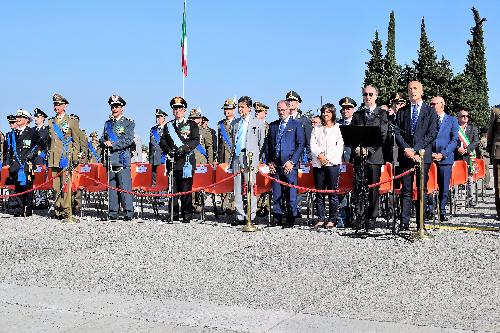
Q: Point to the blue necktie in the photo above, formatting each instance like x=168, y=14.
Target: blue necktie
x=414, y=118
x=240, y=137
x=281, y=130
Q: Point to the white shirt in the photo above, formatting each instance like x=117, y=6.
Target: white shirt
x=419, y=106
x=371, y=109
x=329, y=141
x=441, y=117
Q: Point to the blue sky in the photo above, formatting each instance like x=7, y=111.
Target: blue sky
x=88, y=50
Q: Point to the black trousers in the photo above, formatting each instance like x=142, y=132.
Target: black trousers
x=407, y=192
x=327, y=178
x=373, y=172
x=183, y=185
x=23, y=204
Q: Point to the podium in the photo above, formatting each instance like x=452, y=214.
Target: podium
x=363, y=137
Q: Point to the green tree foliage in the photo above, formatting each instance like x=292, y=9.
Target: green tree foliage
x=374, y=73
x=407, y=74
x=426, y=64
x=392, y=70
x=475, y=69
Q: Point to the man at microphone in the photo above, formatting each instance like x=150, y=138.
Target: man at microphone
x=371, y=115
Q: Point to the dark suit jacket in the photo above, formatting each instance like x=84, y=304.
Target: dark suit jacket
x=446, y=139
x=292, y=143
x=379, y=119
x=425, y=133
x=307, y=126
x=189, y=143
x=26, y=144
x=471, y=132
x=346, y=156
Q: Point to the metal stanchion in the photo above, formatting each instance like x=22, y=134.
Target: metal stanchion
x=249, y=227
x=421, y=234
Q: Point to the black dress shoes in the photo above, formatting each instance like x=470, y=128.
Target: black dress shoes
x=444, y=218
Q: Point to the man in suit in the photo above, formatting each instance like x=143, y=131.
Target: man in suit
x=20, y=157
x=180, y=138
x=285, y=147
x=347, y=106
x=247, y=136
x=156, y=156
x=493, y=147
x=468, y=142
x=371, y=115
x=443, y=152
x=417, y=125
x=118, y=138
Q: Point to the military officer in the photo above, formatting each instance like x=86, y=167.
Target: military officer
x=180, y=138
x=156, y=155
x=12, y=125
x=224, y=146
x=62, y=154
x=20, y=156
x=118, y=138
x=204, y=124
x=95, y=149
x=40, y=197
x=261, y=113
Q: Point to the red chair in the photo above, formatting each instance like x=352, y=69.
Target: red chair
x=458, y=183
x=41, y=175
x=203, y=176
x=479, y=174
x=346, y=178
x=142, y=179
x=4, y=188
x=263, y=184
x=220, y=174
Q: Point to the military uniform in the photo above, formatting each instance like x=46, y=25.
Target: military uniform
x=262, y=199
x=40, y=197
x=182, y=153
x=204, y=153
x=82, y=158
x=120, y=131
x=224, y=146
x=63, y=148
x=94, y=149
x=156, y=156
x=20, y=156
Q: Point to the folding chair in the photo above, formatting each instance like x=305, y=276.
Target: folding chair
x=203, y=176
x=160, y=186
x=86, y=179
x=458, y=185
x=306, y=179
x=263, y=186
x=433, y=189
x=386, y=191
x=224, y=187
x=142, y=179
x=346, y=185
x=479, y=175
x=4, y=188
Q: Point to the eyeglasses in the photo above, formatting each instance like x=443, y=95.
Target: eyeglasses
x=464, y=116
x=367, y=94
x=432, y=104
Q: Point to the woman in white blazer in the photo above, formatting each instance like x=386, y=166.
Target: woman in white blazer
x=327, y=147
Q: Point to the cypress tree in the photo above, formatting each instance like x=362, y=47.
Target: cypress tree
x=391, y=69
x=374, y=73
x=426, y=64
x=475, y=70
x=407, y=74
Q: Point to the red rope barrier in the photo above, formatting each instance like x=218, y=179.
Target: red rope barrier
x=307, y=189
x=31, y=189
x=139, y=194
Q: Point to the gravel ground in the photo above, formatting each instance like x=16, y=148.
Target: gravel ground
x=449, y=281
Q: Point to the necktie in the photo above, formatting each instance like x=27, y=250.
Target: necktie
x=240, y=137
x=281, y=130
x=414, y=118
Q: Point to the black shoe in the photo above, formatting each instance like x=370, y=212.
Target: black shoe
x=428, y=216
x=127, y=218
x=111, y=219
x=444, y=218
x=370, y=224
x=287, y=226
x=262, y=212
x=404, y=226
x=237, y=222
x=229, y=212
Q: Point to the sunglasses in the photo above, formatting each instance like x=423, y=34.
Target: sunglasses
x=464, y=116
x=367, y=94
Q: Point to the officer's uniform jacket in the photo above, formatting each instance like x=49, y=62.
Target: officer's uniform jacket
x=207, y=143
x=223, y=149
x=43, y=133
x=70, y=129
x=189, y=134
x=155, y=151
x=120, y=151
x=98, y=149
x=26, y=143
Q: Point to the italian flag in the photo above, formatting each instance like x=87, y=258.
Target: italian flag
x=184, y=51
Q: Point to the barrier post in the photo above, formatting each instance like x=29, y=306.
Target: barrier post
x=249, y=227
